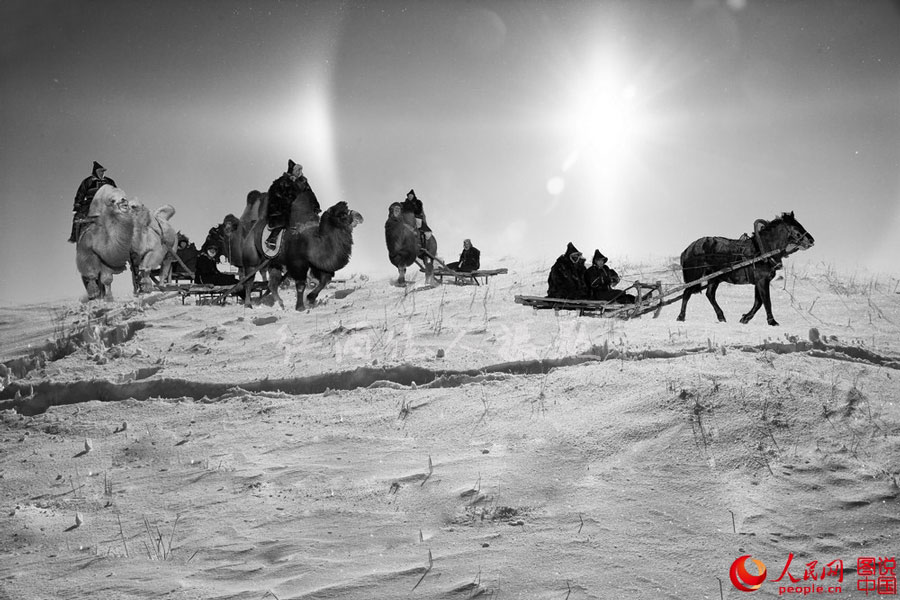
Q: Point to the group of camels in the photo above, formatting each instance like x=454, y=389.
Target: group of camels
x=121, y=231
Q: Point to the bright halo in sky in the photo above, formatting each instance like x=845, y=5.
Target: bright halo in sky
x=605, y=125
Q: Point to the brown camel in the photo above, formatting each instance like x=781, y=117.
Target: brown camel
x=153, y=243
x=404, y=242
x=320, y=246
x=104, y=245
x=243, y=240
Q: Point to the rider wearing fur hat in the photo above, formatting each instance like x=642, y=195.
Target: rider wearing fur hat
x=84, y=196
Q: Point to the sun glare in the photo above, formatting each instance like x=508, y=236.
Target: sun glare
x=605, y=123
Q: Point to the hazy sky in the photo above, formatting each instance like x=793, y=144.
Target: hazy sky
x=633, y=127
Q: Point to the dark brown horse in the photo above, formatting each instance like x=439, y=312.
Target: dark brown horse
x=710, y=254
x=320, y=246
x=404, y=241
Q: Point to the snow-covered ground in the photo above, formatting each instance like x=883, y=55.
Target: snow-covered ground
x=450, y=443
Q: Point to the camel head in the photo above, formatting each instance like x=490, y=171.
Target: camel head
x=140, y=212
x=340, y=216
x=230, y=225
x=110, y=200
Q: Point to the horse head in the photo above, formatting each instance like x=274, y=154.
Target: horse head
x=784, y=232
x=800, y=238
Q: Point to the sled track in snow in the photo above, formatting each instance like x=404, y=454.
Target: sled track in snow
x=35, y=398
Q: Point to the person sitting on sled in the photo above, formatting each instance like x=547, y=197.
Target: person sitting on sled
x=567, y=276
x=600, y=280
x=469, y=259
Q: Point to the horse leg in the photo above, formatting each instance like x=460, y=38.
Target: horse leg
x=767, y=302
x=299, y=276
x=688, y=292
x=275, y=278
x=757, y=302
x=711, y=295
x=323, y=280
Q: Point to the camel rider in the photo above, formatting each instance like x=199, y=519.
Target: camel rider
x=85, y=195
x=282, y=192
x=421, y=221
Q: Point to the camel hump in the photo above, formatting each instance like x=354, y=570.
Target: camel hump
x=165, y=212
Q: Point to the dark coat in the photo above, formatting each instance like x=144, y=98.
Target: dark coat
x=86, y=191
x=600, y=283
x=469, y=260
x=418, y=209
x=567, y=278
x=83, y=198
x=282, y=193
x=601, y=278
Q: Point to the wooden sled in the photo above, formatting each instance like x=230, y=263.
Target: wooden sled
x=648, y=298
x=468, y=278
x=213, y=294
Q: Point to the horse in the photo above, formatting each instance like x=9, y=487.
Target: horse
x=710, y=254
x=320, y=246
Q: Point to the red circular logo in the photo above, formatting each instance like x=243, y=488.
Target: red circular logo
x=742, y=579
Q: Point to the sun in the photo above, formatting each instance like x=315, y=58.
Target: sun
x=605, y=126
x=605, y=123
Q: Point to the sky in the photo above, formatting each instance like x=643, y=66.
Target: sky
x=631, y=127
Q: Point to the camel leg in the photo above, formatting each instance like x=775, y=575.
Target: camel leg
x=323, y=280
x=688, y=292
x=275, y=278
x=147, y=284
x=106, y=279
x=429, y=271
x=300, y=285
x=711, y=296
x=248, y=286
x=165, y=272
x=91, y=286
x=135, y=267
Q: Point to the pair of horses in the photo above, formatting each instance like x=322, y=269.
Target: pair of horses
x=309, y=244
